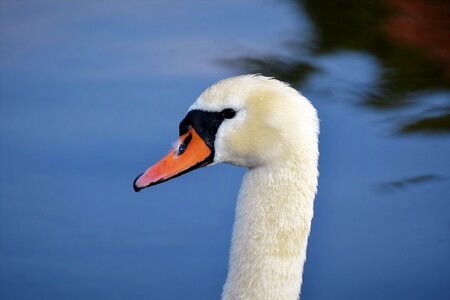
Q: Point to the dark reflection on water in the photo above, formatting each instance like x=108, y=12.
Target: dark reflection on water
x=409, y=41
x=405, y=183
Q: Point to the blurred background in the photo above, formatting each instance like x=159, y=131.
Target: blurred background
x=92, y=93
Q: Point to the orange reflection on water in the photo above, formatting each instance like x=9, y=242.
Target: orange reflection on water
x=424, y=24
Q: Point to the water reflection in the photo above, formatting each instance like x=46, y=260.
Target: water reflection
x=405, y=183
x=408, y=40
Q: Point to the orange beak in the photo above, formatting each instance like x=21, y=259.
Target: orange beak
x=190, y=153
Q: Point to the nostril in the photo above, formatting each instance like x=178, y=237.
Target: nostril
x=183, y=146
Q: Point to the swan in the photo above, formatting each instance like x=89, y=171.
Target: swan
x=268, y=127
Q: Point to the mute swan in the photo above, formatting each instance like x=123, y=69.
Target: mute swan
x=262, y=124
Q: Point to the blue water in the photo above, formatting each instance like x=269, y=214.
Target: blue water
x=92, y=93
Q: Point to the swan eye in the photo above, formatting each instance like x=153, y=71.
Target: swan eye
x=228, y=113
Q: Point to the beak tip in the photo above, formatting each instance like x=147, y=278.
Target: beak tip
x=135, y=187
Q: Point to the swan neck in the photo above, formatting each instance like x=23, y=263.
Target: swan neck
x=271, y=229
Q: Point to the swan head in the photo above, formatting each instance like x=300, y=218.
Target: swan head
x=248, y=121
